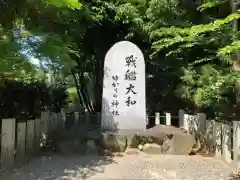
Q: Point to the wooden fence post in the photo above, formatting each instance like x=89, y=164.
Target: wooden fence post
x=99, y=118
x=29, y=139
x=76, y=117
x=201, y=128
x=226, y=143
x=63, y=113
x=202, y=122
x=59, y=120
x=168, y=119
x=37, y=133
x=87, y=117
x=54, y=121
x=50, y=122
x=186, y=122
x=8, y=143
x=147, y=120
x=21, y=143
x=44, y=128
x=210, y=136
x=44, y=122
x=181, y=118
x=218, y=136
x=157, y=118
x=236, y=143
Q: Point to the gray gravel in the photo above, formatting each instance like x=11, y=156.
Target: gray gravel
x=161, y=167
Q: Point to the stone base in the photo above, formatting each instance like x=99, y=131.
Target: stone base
x=158, y=140
x=119, y=141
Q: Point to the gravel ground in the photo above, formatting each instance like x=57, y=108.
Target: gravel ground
x=161, y=167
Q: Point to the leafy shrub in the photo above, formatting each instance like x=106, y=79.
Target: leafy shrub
x=26, y=100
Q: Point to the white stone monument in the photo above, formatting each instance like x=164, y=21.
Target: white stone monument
x=124, y=96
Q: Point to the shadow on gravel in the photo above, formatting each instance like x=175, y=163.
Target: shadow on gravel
x=235, y=177
x=61, y=168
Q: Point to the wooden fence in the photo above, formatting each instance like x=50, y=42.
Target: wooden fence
x=219, y=139
x=222, y=140
x=20, y=140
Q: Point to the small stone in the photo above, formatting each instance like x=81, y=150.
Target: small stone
x=140, y=147
x=133, y=141
x=117, y=154
x=113, y=142
x=91, y=147
x=131, y=151
x=107, y=153
x=152, y=148
x=66, y=147
x=172, y=174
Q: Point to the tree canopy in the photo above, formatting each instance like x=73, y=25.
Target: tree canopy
x=191, y=48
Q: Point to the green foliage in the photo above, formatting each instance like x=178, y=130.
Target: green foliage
x=11, y=58
x=27, y=100
x=73, y=97
x=128, y=13
x=208, y=86
x=57, y=51
x=189, y=50
x=228, y=51
x=211, y=4
x=163, y=13
x=207, y=52
x=75, y=4
x=188, y=37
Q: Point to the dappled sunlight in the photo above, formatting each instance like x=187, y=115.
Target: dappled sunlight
x=61, y=167
x=235, y=176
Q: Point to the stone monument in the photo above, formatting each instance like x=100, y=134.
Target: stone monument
x=124, y=96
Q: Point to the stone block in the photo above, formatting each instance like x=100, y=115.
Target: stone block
x=152, y=148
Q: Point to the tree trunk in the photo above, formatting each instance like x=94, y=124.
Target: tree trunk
x=78, y=90
x=99, y=81
x=236, y=64
x=84, y=91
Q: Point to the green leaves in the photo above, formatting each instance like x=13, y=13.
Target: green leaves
x=191, y=52
x=228, y=51
x=11, y=59
x=207, y=85
x=128, y=13
x=206, y=53
x=58, y=52
x=190, y=35
x=211, y=4
x=73, y=4
x=162, y=13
